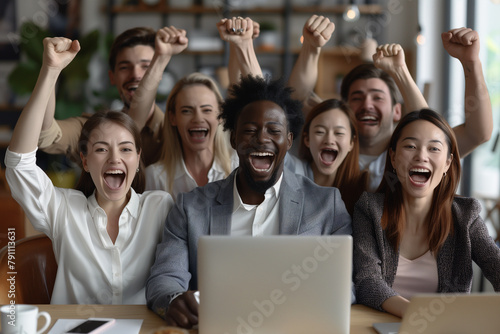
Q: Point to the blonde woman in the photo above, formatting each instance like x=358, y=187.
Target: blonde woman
x=198, y=151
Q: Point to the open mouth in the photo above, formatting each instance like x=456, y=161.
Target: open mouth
x=132, y=88
x=328, y=156
x=262, y=161
x=198, y=133
x=114, y=178
x=420, y=175
x=367, y=119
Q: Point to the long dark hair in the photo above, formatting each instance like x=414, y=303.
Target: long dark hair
x=349, y=180
x=440, y=223
x=85, y=184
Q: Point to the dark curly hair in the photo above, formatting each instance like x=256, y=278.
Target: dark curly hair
x=251, y=89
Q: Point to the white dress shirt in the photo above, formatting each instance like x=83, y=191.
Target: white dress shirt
x=256, y=220
x=156, y=176
x=92, y=270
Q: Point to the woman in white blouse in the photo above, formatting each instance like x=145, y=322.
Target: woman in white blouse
x=198, y=151
x=104, y=235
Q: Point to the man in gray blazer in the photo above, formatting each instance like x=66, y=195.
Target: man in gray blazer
x=260, y=197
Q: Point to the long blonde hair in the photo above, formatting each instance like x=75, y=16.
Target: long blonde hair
x=172, y=149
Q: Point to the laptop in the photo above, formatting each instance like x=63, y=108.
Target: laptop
x=448, y=313
x=274, y=284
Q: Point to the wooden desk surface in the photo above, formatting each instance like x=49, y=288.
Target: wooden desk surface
x=362, y=317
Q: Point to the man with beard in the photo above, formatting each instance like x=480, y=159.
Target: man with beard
x=259, y=198
x=137, y=60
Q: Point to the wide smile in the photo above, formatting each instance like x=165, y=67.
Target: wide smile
x=130, y=88
x=368, y=118
x=419, y=176
x=327, y=156
x=114, y=178
x=198, y=134
x=262, y=162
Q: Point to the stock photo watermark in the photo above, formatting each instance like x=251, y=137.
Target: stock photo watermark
x=47, y=10
x=292, y=278
x=11, y=275
x=421, y=318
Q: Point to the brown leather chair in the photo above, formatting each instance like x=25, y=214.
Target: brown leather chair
x=12, y=215
x=35, y=271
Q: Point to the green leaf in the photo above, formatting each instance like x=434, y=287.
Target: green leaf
x=78, y=68
x=89, y=43
x=23, y=78
x=31, y=41
x=65, y=109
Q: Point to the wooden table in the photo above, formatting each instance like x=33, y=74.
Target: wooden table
x=362, y=317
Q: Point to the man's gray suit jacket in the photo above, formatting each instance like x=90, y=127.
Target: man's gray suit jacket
x=304, y=209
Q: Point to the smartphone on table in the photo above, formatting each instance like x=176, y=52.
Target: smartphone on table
x=92, y=326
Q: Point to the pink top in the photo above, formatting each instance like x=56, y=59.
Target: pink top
x=416, y=276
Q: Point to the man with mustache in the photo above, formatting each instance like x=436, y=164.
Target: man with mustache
x=259, y=198
x=137, y=60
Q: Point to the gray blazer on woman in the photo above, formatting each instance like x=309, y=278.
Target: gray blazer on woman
x=376, y=262
x=304, y=209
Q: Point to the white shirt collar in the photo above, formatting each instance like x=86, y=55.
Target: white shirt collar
x=271, y=192
x=132, y=206
x=181, y=169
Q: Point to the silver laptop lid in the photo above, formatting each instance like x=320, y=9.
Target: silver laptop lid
x=452, y=313
x=274, y=284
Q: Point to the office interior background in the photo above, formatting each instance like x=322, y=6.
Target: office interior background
x=415, y=24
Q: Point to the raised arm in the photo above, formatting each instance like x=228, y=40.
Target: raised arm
x=169, y=41
x=463, y=44
x=58, y=53
x=48, y=117
x=240, y=32
x=317, y=32
x=391, y=59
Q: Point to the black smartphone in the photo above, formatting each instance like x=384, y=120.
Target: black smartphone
x=92, y=326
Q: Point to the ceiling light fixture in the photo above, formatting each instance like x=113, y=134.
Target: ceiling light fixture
x=351, y=13
x=420, y=39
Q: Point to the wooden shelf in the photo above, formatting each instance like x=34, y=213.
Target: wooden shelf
x=199, y=9
x=334, y=62
x=338, y=9
x=10, y=108
x=258, y=51
x=202, y=52
x=140, y=8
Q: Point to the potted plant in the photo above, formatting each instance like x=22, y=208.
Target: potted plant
x=70, y=97
x=269, y=37
x=70, y=91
